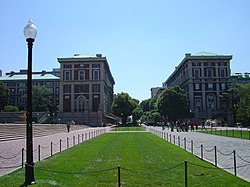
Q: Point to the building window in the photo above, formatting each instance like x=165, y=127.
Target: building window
x=67, y=75
x=66, y=88
x=209, y=73
x=222, y=72
x=211, y=104
x=197, y=86
x=96, y=88
x=67, y=66
x=223, y=86
x=95, y=74
x=197, y=104
x=196, y=73
x=210, y=86
x=95, y=65
x=80, y=104
x=81, y=75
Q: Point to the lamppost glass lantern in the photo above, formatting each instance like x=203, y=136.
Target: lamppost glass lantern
x=30, y=31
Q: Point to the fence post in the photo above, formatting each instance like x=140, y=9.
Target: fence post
x=78, y=138
x=235, y=163
x=60, y=145
x=119, y=176
x=192, y=147
x=73, y=140
x=67, y=142
x=164, y=136
x=170, y=138
x=51, y=148
x=39, y=153
x=22, y=156
x=201, y=151
x=215, y=156
x=179, y=143
x=174, y=139
x=185, y=173
x=185, y=145
x=82, y=137
x=167, y=136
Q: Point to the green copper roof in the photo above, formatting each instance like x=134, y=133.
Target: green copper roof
x=241, y=75
x=204, y=53
x=24, y=77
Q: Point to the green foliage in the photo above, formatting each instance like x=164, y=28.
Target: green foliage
x=173, y=103
x=123, y=105
x=41, y=98
x=10, y=108
x=238, y=99
x=145, y=105
x=137, y=113
x=4, y=96
x=243, y=104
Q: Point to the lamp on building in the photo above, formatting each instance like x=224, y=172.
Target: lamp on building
x=30, y=32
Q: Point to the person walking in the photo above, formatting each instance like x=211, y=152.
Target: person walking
x=68, y=126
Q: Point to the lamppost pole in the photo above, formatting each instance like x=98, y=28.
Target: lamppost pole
x=30, y=32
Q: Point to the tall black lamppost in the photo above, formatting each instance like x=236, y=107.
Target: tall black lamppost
x=30, y=32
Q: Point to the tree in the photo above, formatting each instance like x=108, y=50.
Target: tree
x=137, y=113
x=10, y=108
x=4, y=96
x=41, y=98
x=238, y=95
x=145, y=105
x=173, y=103
x=123, y=105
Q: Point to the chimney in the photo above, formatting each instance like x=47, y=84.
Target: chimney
x=98, y=55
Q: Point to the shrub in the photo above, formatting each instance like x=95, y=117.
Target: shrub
x=10, y=108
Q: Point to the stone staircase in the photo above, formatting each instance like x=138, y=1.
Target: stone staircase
x=18, y=131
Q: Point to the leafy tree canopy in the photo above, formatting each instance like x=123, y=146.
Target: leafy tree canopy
x=123, y=105
x=173, y=103
x=4, y=96
x=41, y=98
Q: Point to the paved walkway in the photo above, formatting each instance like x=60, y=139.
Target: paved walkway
x=11, y=151
x=224, y=145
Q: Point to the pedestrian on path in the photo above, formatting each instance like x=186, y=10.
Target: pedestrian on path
x=68, y=126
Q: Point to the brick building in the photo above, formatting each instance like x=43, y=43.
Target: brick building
x=86, y=93
x=203, y=76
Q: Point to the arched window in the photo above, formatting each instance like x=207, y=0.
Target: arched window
x=80, y=103
x=211, y=101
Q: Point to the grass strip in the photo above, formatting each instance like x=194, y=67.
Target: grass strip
x=145, y=160
x=243, y=134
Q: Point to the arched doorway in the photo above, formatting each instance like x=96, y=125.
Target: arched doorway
x=80, y=103
x=211, y=102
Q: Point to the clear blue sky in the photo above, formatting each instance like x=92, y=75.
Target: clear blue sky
x=143, y=40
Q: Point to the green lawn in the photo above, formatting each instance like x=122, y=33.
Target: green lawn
x=229, y=133
x=135, y=128
x=143, y=157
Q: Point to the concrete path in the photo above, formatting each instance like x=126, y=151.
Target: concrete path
x=224, y=146
x=11, y=151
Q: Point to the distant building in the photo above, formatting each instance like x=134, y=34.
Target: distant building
x=16, y=82
x=1, y=73
x=203, y=76
x=240, y=77
x=156, y=91
x=86, y=93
